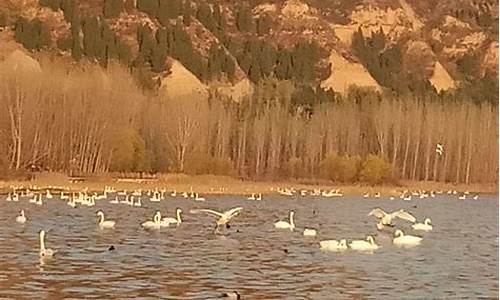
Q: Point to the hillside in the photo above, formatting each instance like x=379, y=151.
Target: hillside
x=386, y=44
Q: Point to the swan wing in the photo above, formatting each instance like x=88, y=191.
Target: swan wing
x=378, y=213
x=405, y=215
x=212, y=212
x=233, y=212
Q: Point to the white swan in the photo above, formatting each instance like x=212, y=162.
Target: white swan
x=138, y=202
x=462, y=197
x=155, y=224
x=285, y=224
x=198, y=198
x=9, y=198
x=177, y=220
x=333, y=245
x=386, y=218
x=309, y=232
x=44, y=252
x=254, y=196
x=39, y=200
x=224, y=217
x=405, y=240
x=21, y=218
x=368, y=244
x=426, y=226
x=115, y=201
x=71, y=202
x=48, y=195
x=156, y=197
x=104, y=224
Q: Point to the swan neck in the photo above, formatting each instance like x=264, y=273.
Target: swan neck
x=42, y=241
x=292, y=223
x=179, y=220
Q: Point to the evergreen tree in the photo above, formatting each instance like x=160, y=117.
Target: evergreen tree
x=68, y=8
x=244, y=21
x=149, y=7
x=263, y=25
x=113, y=8
x=52, y=4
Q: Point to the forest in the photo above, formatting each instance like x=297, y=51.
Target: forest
x=107, y=113
x=91, y=120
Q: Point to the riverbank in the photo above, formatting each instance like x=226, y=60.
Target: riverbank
x=210, y=184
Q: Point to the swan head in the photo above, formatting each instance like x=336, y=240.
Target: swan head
x=292, y=213
x=41, y=233
x=398, y=233
x=427, y=221
x=22, y=212
x=100, y=213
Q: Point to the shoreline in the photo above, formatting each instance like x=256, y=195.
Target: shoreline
x=224, y=185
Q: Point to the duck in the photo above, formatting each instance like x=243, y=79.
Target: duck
x=45, y=252
x=155, y=224
x=286, y=225
x=333, y=245
x=309, y=232
x=426, y=226
x=177, y=220
x=405, y=240
x=363, y=245
x=224, y=217
x=21, y=218
x=104, y=224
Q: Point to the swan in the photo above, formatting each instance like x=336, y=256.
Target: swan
x=475, y=197
x=303, y=193
x=173, y=193
x=21, y=218
x=177, y=220
x=198, y=198
x=9, y=198
x=39, y=200
x=368, y=244
x=44, y=252
x=126, y=200
x=285, y=224
x=386, y=218
x=405, y=240
x=285, y=192
x=232, y=295
x=137, y=203
x=224, y=217
x=461, y=197
x=426, y=226
x=33, y=200
x=155, y=198
x=184, y=194
x=48, y=195
x=251, y=197
x=155, y=224
x=115, y=201
x=63, y=196
x=309, y=232
x=377, y=195
x=104, y=224
x=333, y=245
x=71, y=201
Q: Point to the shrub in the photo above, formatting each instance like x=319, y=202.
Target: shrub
x=375, y=169
x=200, y=164
x=341, y=168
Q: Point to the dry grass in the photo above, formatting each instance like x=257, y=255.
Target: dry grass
x=210, y=184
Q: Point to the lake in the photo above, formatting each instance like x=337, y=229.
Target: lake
x=459, y=259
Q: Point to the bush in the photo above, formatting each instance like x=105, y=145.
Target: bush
x=375, y=169
x=341, y=168
x=129, y=152
x=200, y=164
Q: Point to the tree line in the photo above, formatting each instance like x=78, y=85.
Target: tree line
x=91, y=120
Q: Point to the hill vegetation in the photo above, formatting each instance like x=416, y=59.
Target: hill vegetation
x=97, y=105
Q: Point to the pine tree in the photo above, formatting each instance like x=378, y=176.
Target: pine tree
x=244, y=21
x=113, y=8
